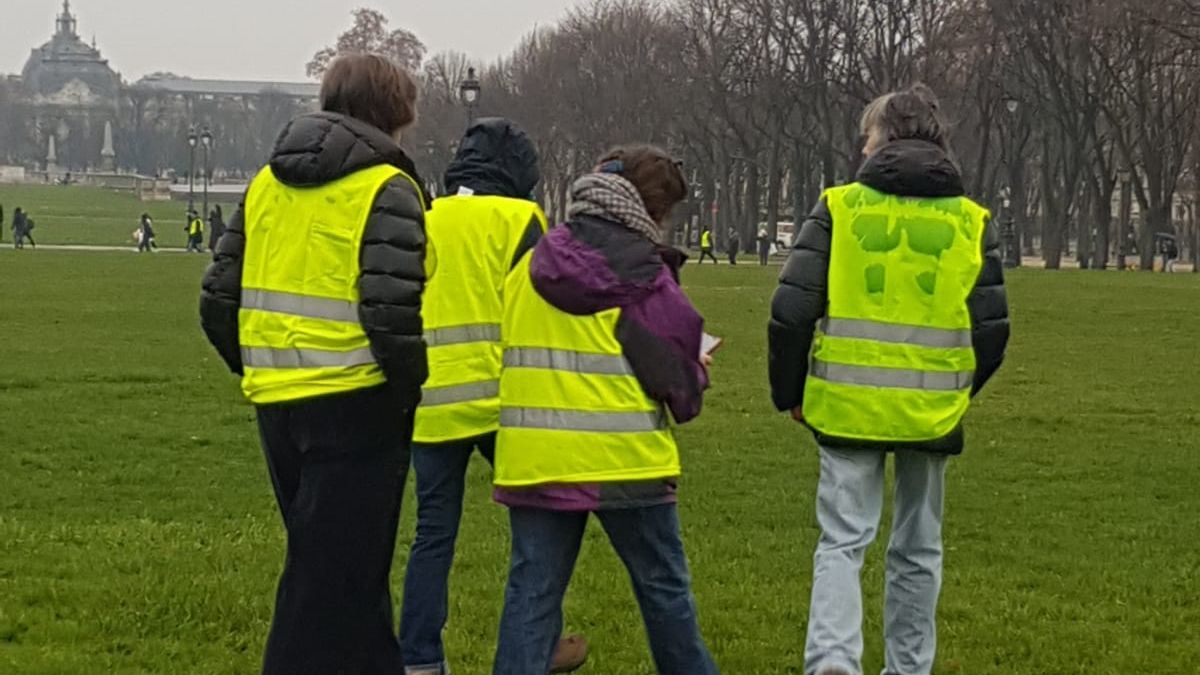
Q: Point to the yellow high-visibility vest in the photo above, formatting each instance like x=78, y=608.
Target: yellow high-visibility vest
x=705, y=239
x=298, y=325
x=472, y=243
x=893, y=361
x=196, y=227
x=572, y=410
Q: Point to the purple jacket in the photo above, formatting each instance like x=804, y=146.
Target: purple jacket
x=590, y=265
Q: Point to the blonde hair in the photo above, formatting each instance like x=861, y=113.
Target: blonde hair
x=910, y=114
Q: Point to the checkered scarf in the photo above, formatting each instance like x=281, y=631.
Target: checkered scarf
x=611, y=197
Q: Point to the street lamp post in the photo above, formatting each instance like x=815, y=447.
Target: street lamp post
x=1012, y=243
x=206, y=140
x=1008, y=233
x=469, y=90
x=192, y=139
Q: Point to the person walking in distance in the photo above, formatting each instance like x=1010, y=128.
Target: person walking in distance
x=314, y=297
x=216, y=227
x=146, y=234
x=878, y=344
x=764, y=247
x=599, y=343
x=706, y=247
x=195, y=233
x=477, y=234
x=733, y=244
x=18, y=228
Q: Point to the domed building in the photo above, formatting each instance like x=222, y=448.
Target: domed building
x=68, y=71
x=74, y=95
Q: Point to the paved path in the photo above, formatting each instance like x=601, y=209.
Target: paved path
x=88, y=247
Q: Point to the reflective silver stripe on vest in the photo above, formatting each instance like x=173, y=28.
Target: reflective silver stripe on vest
x=460, y=393
x=266, y=357
x=300, y=305
x=896, y=333
x=568, y=361
x=458, y=335
x=577, y=420
x=893, y=378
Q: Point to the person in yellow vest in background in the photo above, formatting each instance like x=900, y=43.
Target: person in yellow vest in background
x=706, y=247
x=477, y=234
x=195, y=233
x=891, y=315
x=314, y=298
x=601, y=349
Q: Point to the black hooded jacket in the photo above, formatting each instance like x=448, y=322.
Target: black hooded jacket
x=314, y=150
x=909, y=169
x=495, y=159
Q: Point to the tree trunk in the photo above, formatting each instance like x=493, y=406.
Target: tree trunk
x=774, y=187
x=750, y=220
x=1156, y=219
x=1102, y=220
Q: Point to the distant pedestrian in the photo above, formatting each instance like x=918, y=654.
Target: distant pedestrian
x=216, y=227
x=764, y=247
x=1170, y=254
x=706, y=247
x=146, y=234
x=1, y=222
x=21, y=226
x=27, y=233
x=18, y=227
x=734, y=242
x=195, y=233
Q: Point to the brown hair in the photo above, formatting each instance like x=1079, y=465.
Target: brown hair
x=908, y=114
x=370, y=88
x=656, y=175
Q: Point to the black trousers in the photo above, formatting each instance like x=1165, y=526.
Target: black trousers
x=338, y=465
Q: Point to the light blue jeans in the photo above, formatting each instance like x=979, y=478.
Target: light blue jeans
x=849, y=503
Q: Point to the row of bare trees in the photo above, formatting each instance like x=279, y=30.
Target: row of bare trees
x=1080, y=115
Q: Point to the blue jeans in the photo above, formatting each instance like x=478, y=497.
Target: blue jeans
x=441, y=480
x=545, y=545
x=849, y=503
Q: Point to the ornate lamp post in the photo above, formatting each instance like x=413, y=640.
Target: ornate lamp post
x=192, y=139
x=470, y=90
x=1012, y=244
x=206, y=140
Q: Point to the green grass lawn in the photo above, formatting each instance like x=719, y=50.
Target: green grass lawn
x=138, y=533
x=87, y=215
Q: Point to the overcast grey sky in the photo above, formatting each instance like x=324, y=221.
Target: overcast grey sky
x=258, y=39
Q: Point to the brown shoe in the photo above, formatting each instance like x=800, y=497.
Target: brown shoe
x=570, y=654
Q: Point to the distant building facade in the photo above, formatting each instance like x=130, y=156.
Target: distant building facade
x=74, y=112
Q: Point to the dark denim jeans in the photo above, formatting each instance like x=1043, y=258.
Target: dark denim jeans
x=441, y=480
x=545, y=545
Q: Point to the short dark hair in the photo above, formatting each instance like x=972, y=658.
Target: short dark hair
x=911, y=114
x=370, y=88
x=656, y=175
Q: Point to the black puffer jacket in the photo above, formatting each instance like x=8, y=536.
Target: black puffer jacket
x=910, y=169
x=314, y=150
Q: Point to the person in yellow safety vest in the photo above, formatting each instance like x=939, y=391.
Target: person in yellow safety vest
x=706, y=247
x=477, y=234
x=600, y=347
x=195, y=233
x=314, y=298
x=890, y=316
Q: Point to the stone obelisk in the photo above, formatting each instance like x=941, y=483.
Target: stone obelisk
x=108, y=156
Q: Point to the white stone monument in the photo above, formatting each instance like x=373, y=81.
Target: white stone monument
x=108, y=156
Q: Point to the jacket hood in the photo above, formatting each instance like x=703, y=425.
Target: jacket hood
x=495, y=159
x=912, y=168
x=590, y=265
x=318, y=148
